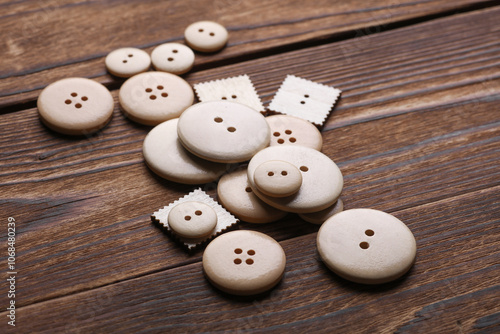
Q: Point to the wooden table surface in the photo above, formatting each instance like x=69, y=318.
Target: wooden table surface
x=416, y=133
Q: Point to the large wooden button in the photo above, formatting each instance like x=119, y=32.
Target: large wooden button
x=322, y=180
x=154, y=97
x=173, y=58
x=236, y=195
x=75, y=106
x=366, y=246
x=192, y=219
x=277, y=178
x=166, y=156
x=223, y=131
x=126, y=62
x=290, y=130
x=321, y=216
x=244, y=262
x=206, y=36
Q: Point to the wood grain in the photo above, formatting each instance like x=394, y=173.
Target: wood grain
x=50, y=40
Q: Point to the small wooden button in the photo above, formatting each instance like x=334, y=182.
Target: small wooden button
x=366, y=246
x=236, y=195
x=192, y=219
x=166, y=156
x=154, y=97
x=322, y=180
x=290, y=130
x=223, y=131
x=173, y=58
x=321, y=216
x=277, y=178
x=75, y=106
x=126, y=62
x=244, y=262
x=206, y=36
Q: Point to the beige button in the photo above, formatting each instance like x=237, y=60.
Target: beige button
x=366, y=246
x=165, y=156
x=173, y=58
x=290, y=130
x=277, y=178
x=322, y=180
x=75, y=106
x=244, y=262
x=154, y=97
x=235, y=194
x=206, y=36
x=223, y=131
x=321, y=216
x=126, y=62
x=192, y=219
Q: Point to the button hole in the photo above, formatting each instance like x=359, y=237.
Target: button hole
x=288, y=132
x=67, y=101
x=198, y=212
x=302, y=102
x=148, y=90
x=364, y=245
x=130, y=55
x=84, y=98
x=153, y=97
x=281, y=141
x=218, y=120
x=159, y=87
x=212, y=34
x=306, y=96
x=233, y=96
x=125, y=61
x=270, y=174
x=74, y=94
x=276, y=134
x=164, y=94
x=238, y=251
x=78, y=105
x=187, y=218
x=224, y=98
x=248, y=189
x=284, y=173
x=249, y=261
x=200, y=30
x=170, y=59
x=292, y=140
x=304, y=168
x=231, y=129
x=369, y=233
x=237, y=261
x=251, y=252
x=175, y=51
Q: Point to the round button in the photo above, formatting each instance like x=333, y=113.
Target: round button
x=322, y=180
x=75, y=106
x=223, y=131
x=206, y=36
x=290, y=130
x=244, y=262
x=192, y=219
x=236, y=195
x=166, y=156
x=154, y=97
x=277, y=178
x=126, y=62
x=366, y=246
x=173, y=58
x=321, y=216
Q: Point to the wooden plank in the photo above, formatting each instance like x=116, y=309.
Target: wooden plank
x=91, y=198
x=50, y=40
x=454, y=248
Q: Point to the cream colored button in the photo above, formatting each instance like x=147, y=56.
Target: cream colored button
x=244, y=262
x=173, y=58
x=75, y=106
x=165, y=156
x=154, y=97
x=206, y=36
x=322, y=180
x=321, y=216
x=192, y=219
x=277, y=178
x=126, y=62
x=235, y=194
x=290, y=130
x=366, y=246
x=223, y=131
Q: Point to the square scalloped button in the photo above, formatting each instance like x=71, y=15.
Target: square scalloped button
x=225, y=220
x=237, y=89
x=306, y=99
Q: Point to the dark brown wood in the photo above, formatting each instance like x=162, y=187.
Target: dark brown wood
x=416, y=134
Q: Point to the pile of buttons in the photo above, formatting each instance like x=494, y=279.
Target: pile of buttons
x=266, y=167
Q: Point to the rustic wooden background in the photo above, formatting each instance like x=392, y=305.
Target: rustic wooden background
x=416, y=134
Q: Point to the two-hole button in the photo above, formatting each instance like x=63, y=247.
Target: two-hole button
x=192, y=219
x=277, y=178
x=206, y=36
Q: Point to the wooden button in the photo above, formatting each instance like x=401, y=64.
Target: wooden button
x=126, y=62
x=154, y=97
x=236, y=195
x=223, y=131
x=173, y=58
x=165, y=156
x=75, y=106
x=366, y=246
x=206, y=36
x=244, y=262
x=289, y=130
x=321, y=216
x=192, y=219
x=277, y=178
x=322, y=180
